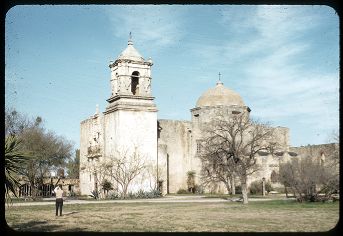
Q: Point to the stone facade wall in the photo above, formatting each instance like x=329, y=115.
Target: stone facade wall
x=86, y=178
x=319, y=152
x=130, y=131
x=175, y=136
x=163, y=168
x=117, y=132
x=180, y=140
x=177, y=146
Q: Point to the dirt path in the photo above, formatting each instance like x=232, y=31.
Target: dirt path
x=165, y=199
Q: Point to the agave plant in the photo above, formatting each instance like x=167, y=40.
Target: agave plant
x=95, y=194
x=14, y=159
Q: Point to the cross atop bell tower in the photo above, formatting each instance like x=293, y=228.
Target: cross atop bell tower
x=130, y=39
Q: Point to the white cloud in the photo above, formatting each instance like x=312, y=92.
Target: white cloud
x=149, y=24
x=265, y=47
x=280, y=86
x=279, y=24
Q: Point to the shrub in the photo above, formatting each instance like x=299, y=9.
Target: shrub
x=198, y=189
x=106, y=185
x=113, y=195
x=182, y=191
x=95, y=194
x=279, y=189
x=269, y=187
x=238, y=189
x=154, y=194
x=256, y=187
x=141, y=194
x=72, y=194
x=131, y=195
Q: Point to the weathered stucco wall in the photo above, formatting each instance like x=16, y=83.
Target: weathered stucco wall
x=130, y=131
x=86, y=183
x=318, y=152
x=175, y=136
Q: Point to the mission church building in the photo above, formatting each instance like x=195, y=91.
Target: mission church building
x=129, y=124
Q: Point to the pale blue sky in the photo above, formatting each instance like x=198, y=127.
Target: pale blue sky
x=282, y=60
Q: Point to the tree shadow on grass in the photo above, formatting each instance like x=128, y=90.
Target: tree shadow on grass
x=70, y=213
x=40, y=226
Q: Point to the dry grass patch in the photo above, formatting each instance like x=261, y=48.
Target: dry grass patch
x=268, y=216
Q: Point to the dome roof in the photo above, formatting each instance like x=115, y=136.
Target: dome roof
x=219, y=95
x=130, y=53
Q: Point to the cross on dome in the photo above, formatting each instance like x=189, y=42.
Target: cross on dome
x=219, y=81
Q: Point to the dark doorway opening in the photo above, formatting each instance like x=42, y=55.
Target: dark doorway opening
x=135, y=83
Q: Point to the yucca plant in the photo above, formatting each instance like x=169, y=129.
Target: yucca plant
x=14, y=159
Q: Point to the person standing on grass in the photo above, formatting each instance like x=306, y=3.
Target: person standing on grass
x=59, y=199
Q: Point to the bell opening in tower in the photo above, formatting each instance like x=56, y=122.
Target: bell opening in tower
x=135, y=83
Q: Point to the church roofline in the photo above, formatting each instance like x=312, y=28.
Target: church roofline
x=169, y=120
x=314, y=145
x=219, y=106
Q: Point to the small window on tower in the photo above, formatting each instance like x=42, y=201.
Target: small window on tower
x=135, y=83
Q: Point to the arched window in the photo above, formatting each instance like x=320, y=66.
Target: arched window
x=135, y=83
x=322, y=158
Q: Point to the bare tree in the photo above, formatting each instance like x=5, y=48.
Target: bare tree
x=231, y=147
x=100, y=169
x=125, y=166
x=332, y=150
x=309, y=178
x=15, y=122
x=73, y=166
x=216, y=167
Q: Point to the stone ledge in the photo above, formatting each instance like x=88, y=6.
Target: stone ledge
x=135, y=97
x=131, y=108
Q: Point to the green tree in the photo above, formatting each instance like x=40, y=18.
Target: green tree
x=106, y=186
x=47, y=151
x=14, y=159
x=73, y=166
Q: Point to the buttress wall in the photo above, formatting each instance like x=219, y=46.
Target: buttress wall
x=175, y=146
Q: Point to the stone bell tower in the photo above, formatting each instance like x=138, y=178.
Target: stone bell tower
x=131, y=115
x=130, y=77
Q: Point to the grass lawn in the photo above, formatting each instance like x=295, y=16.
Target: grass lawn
x=267, y=216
